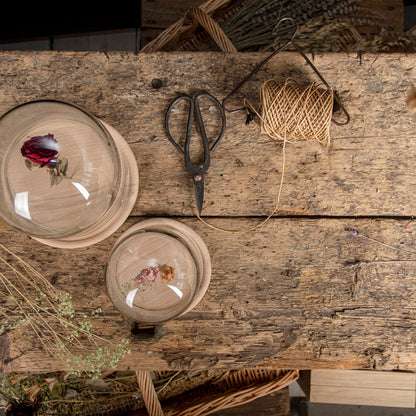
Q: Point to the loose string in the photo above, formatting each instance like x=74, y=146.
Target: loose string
x=244, y=230
x=289, y=113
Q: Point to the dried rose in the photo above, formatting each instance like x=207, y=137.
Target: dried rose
x=167, y=273
x=146, y=275
x=40, y=150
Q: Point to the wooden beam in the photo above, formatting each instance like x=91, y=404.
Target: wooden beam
x=298, y=293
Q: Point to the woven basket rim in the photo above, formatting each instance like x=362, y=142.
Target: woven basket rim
x=230, y=392
x=184, y=34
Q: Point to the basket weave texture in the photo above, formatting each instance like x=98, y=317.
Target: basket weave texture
x=235, y=388
x=198, y=26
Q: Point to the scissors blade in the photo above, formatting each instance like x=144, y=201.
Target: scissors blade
x=198, y=182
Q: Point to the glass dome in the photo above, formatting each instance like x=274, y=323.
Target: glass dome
x=67, y=178
x=158, y=270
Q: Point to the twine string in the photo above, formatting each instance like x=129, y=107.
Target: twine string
x=289, y=112
x=299, y=113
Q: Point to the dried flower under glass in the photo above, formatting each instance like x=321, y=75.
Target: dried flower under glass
x=146, y=279
x=42, y=151
x=147, y=276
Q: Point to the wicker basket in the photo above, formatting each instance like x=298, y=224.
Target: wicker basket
x=200, y=29
x=199, y=26
x=323, y=27
x=235, y=388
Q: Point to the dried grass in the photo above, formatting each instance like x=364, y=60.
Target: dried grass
x=324, y=26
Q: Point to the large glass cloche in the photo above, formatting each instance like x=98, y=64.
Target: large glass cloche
x=67, y=178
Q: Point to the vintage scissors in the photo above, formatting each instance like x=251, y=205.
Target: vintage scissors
x=197, y=172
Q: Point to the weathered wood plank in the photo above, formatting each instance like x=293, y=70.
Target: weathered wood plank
x=365, y=388
x=148, y=34
x=298, y=293
x=368, y=170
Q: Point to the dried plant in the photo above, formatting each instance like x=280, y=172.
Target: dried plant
x=69, y=394
x=324, y=26
x=29, y=299
x=118, y=392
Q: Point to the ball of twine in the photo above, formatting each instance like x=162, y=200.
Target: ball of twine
x=290, y=111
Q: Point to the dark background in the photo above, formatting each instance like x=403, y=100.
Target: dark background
x=37, y=19
x=34, y=20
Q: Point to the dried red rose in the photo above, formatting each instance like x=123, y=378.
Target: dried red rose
x=167, y=273
x=146, y=275
x=40, y=150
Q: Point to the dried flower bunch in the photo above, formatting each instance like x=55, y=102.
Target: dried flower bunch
x=148, y=276
x=64, y=333
x=324, y=26
x=60, y=393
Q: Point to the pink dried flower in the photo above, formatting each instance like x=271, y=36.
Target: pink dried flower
x=146, y=275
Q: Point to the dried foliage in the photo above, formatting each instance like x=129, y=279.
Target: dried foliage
x=29, y=300
x=62, y=393
x=324, y=26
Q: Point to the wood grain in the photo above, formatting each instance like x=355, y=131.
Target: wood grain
x=327, y=282
x=299, y=293
x=366, y=388
x=367, y=170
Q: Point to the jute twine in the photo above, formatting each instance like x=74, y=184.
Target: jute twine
x=290, y=112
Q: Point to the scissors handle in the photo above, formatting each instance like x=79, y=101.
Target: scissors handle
x=199, y=117
x=194, y=108
x=190, y=117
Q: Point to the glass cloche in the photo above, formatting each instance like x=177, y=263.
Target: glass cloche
x=67, y=178
x=158, y=270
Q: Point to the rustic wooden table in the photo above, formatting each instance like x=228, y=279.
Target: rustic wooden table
x=303, y=290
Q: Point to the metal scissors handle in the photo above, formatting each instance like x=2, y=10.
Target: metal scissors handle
x=197, y=172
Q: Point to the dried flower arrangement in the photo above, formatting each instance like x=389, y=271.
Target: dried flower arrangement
x=61, y=393
x=324, y=26
x=67, y=335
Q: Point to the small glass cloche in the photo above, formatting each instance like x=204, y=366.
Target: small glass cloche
x=158, y=270
x=67, y=178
